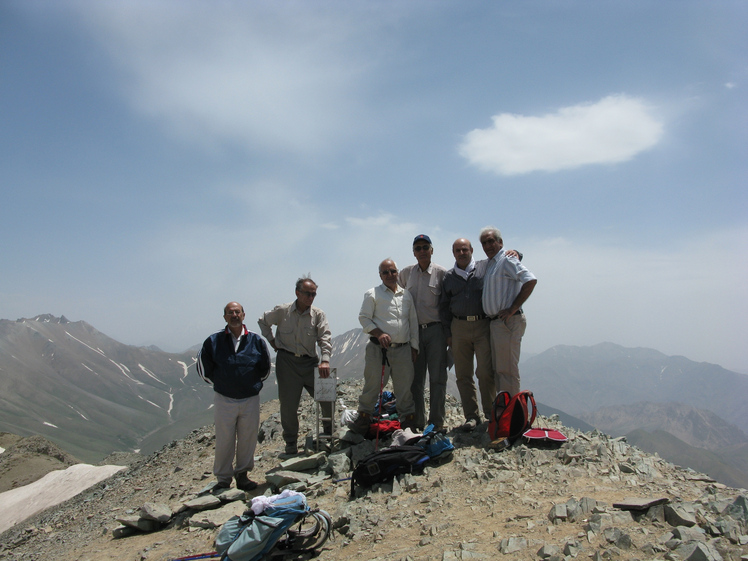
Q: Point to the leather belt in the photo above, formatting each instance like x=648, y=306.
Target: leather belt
x=471, y=318
x=392, y=345
x=429, y=324
x=295, y=354
x=514, y=314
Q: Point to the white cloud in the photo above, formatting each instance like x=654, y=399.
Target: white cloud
x=615, y=129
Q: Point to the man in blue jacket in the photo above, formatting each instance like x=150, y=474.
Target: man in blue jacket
x=236, y=362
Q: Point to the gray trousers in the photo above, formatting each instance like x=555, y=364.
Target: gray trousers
x=294, y=375
x=237, y=424
x=432, y=342
x=473, y=339
x=401, y=372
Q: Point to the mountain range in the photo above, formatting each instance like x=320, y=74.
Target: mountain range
x=580, y=380
x=93, y=395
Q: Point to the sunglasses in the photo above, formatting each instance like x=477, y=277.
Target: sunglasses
x=421, y=247
x=388, y=272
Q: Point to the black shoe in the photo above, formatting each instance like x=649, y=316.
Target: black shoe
x=220, y=486
x=245, y=483
x=291, y=451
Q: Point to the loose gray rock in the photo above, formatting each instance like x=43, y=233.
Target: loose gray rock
x=680, y=515
x=139, y=523
x=698, y=552
x=203, y=503
x=155, y=511
x=304, y=463
x=210, y=519
x=512, y=545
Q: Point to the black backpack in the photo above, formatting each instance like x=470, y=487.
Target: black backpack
x=387, y=463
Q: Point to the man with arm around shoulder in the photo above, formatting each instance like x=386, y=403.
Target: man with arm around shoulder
x=506, y=287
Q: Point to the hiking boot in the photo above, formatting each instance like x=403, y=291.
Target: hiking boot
x=245, y=483
x=361, y=424
x=220, y=486
x=291, y=450
x=469, y=425
x=408, y=422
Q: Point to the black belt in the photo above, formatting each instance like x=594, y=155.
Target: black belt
x=392, y=345
x=514, y=314
x=429, y=324
x=295, y=354
x=471, y=318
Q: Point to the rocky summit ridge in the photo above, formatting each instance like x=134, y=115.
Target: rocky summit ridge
x=592, y=497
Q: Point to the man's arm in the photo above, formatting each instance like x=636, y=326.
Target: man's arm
x=412, y=324
x=205, y=364
x=366, y=319
x=263, y=366
x=521, y=298
x=324, y=340
x=445, y=312
x=266, y=323
x=366, y=313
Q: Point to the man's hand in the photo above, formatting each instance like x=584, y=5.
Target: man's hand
x=413, y=354
x=384, y=340
x=506, y=313
x=272, y=344
x=449, y=342
x=512, y=253
x=324, y=369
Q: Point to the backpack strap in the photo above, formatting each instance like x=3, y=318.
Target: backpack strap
x=532, y=416
x=499, y=404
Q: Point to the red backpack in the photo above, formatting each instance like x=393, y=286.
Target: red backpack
x=511, y=415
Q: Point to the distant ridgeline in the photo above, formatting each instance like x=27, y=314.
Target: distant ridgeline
x=92, y=395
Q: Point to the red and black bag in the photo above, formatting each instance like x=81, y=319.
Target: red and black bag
x=511, y=415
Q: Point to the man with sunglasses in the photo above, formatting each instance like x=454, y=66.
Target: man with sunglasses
x=388, y=315
x=424, y=282
x=301, y=328
x=506, y=286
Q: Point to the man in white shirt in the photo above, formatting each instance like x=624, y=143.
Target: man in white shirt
x=506, y=286
x=388, y=315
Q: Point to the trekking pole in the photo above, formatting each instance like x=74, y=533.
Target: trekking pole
x=211, y=555
x=381, y=391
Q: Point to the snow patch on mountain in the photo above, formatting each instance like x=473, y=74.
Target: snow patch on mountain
x=52, y=489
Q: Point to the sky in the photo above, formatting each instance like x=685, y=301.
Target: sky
x=159, y=159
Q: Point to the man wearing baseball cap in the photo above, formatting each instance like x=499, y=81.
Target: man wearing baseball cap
x=424, y=282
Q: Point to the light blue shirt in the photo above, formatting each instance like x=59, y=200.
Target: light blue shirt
x=504, y=279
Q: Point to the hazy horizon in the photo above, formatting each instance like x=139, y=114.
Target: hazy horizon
x=161, y=158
